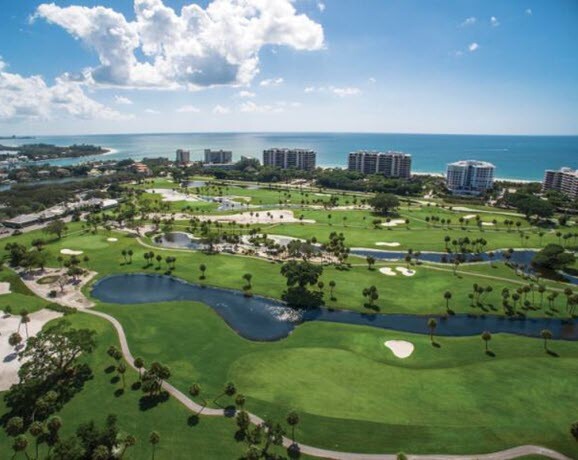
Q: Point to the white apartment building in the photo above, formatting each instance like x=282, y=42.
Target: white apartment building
x=470, y=176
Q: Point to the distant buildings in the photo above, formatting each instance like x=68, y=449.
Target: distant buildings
x=183, y=157
x=470, y=176
x=218, y=156
x=564, y=180
x=290, y=158
x=390, y=164
x=140, y=168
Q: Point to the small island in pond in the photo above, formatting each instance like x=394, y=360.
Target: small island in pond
x=40, y=152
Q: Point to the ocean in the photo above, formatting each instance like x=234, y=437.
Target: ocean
x=515, y=157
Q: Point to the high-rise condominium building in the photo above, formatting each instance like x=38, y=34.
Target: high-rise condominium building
x=565, y=180
x=390, y=164
x=183, y=156
x=218, y=156
x=470, y=176
x=290, y=158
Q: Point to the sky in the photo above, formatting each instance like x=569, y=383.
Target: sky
x=401, y=66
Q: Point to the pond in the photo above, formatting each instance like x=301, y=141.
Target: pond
x=262, y=319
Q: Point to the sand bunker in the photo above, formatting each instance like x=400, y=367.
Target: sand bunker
x=393, y=244
x=387, y=271
x=4, y=288
x=405, y=272
x=112, y=240
x=70, y=252
x=394, y=223
x=488, y=224
x=470, y=216
x=9, y=363
x=170, y=195
x=261, y=217
x=400, y=348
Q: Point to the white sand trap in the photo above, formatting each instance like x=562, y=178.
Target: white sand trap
x=394, y=223
x=405, y=272
x=70, y=252
x=393, y=244
x=9, y=363
x=488, y=224
x=400, y=348
x=171, y=195
x=112, y=240
x=470, y=216
x=322, y=194
x=387, y=271
x=4, y=288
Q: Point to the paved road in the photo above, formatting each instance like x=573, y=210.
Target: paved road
x=323, y=453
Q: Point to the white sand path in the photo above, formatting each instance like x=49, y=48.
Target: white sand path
x=393, y=244
x=9, y=362
x=400, y=348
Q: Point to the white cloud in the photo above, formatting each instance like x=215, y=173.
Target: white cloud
x=246, y=94
x=252, y=107
x=494, y=21
x=122, y=100
x=468, y=21
x=194, y=48
x=529, y=12
x=372, y=80
x=152, y=112
x=346, y=91
x=321, y=6
x=31, y=98
x=310, y=89
x=221, y=110
x=473, y=47
x=272, y=82
x=188, y=109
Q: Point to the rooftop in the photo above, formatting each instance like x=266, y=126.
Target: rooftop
x=476, y=163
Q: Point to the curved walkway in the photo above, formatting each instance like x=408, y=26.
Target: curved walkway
x=323, y=453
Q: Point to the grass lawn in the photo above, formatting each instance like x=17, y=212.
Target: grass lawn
x=353, y=394
x=212, y=437
x=20, y=297
x=422, y=293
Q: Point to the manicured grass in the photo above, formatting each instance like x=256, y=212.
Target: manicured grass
x=212, y=437
x=353, y=394
x=422, y=293
x=20, y=297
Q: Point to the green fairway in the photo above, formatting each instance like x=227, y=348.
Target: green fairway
x=212, y=437
x=353, y=394
x=20, y=297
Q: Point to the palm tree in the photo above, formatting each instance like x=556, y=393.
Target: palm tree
x=332, y=285
x=14, y=340
x=121, y=369
x=124, y=254
x=20, y=444
x=203, y=269
x=36, y=430
x=229, y=390
x=195, y=391
x=546, y=334
x=574, y=430
x=130, y=254
x=432, y=324
x=159, y=260
x=486, y=337
x=247, y=277
x=447, y=296
x=370, y=262
x=128, y=441
x=24, y=319
x=240, y=400
x=292, y=421
x=154, y=439
x=139, y=364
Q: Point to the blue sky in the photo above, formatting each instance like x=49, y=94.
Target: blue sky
x=467, y=66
